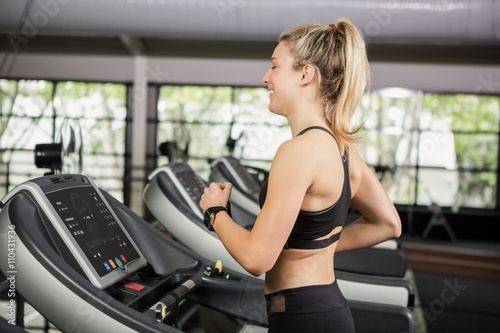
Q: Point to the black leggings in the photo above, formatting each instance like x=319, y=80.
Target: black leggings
x=310, y=309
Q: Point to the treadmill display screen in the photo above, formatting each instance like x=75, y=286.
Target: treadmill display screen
x=94, y=228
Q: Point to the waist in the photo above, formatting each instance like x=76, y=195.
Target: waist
x=295, y=268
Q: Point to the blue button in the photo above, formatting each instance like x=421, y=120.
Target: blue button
x=107, y=266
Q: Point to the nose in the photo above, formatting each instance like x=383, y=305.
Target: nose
x=265, y=78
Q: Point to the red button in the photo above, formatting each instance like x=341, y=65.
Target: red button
x=134, y=286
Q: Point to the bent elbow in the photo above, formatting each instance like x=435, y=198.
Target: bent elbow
x=256, y=266
x=256, y=272
x=396, y=227
x=256, y=269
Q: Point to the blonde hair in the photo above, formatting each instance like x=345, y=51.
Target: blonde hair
x=338, y=53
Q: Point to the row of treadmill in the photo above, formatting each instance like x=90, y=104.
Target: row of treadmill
x=87, y=263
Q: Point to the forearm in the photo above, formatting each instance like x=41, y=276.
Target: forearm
x=237, y=241
x=363, y=233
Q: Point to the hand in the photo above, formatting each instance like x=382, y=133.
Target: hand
x=216, y=194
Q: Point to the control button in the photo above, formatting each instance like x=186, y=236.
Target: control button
x=111, y=262
x=122, y=257
x=107, y=266
x=134, y=286
x=119, y=263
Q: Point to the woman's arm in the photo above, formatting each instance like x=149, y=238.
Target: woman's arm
x=380, y=220
x=257, y=250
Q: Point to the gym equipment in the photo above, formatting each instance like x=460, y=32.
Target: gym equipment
x=172, y=196
x=88, y=263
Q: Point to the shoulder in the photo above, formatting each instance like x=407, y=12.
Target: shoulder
x=293, y=158
x=297, y=151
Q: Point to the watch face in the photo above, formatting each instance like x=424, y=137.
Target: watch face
x=206, y=219
x=209, y=217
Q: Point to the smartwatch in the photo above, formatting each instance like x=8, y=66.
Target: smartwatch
x=211, y=212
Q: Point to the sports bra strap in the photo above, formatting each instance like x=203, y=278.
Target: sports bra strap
x=312, y=244
x=344, y=154
x=316, y=127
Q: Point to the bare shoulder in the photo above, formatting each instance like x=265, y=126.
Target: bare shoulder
x=292, y=161
x=297, y=148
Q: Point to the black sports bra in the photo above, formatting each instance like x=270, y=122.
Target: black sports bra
x=312, y=225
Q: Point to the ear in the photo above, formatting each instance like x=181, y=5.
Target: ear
x=308, y=74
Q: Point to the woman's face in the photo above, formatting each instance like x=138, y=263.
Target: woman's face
x=281, y=80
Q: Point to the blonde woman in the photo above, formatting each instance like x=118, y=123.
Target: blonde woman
x=317, y=76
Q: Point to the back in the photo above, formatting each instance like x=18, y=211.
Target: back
x=320, y=218
x=311, y=225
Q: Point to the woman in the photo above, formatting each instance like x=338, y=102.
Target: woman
x=317, y=76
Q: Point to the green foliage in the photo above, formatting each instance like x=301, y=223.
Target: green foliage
x=468, y=113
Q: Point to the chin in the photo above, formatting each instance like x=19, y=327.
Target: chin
x=272, y=108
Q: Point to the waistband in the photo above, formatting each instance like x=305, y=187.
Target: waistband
x=306, y=299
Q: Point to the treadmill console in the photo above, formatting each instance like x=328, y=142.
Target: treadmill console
x=88, y=226
x=187, y=184
x=228, y=168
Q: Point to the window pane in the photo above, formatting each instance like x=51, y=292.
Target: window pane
x=466, y=126
x=389, y=139
x=388, y=149
x=437, y=186
x=471, y=113
x=389, y=108
x=477, y=151
x=477, y=190
x=24, y=103
x=259, y=131
x=437, y=149
x=212, y=115
x=99, y=109
x=195, y=104
x=25, y=120
x=399, y=183
x=29, y=116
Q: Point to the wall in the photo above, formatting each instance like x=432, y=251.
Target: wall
x=429, y=77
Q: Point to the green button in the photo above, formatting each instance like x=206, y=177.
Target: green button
x=119, y=263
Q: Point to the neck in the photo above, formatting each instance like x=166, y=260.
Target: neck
x=306, y=119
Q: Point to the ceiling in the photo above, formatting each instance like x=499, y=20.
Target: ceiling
x=449, y=31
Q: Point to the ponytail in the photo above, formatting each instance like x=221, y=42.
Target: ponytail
x=338, y=53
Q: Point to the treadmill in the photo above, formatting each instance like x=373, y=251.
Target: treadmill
x=172, y=196
x=384, y=259
x=87, y=263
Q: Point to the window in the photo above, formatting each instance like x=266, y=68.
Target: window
x=210, y=116
x=36, y=111
x=425, y=148
x=469, y=126
x=433, y=148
